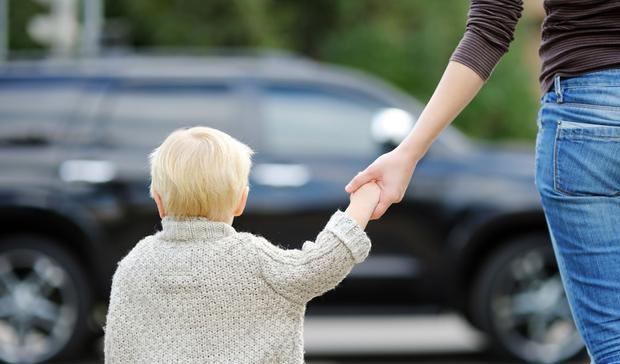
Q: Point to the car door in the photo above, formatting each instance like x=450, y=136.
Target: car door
x=313, y=139
x=135, y=116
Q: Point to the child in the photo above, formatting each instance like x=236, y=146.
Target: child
x=200, y=292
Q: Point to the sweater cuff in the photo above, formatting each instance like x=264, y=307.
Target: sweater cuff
x=351, y=235
x=475, y=52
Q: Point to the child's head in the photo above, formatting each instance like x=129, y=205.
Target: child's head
x=200, y=172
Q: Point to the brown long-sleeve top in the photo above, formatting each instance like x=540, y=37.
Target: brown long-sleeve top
x=578, y=36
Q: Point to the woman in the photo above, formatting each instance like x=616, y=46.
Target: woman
x=577, y=149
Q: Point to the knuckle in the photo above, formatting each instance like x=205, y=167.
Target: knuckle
x=393, y=197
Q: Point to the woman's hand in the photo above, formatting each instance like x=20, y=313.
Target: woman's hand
x=392, y=173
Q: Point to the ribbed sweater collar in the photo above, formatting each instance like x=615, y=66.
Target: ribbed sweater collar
x=194, y=228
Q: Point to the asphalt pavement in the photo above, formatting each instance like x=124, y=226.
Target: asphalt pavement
x=444, y=339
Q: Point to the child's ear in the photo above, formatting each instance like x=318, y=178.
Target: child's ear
x=242, y=201
x=159, y=203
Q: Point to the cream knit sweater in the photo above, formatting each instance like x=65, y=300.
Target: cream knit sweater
x=200, y=292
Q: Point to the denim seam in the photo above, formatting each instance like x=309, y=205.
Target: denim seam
x=558, y=90
x=615, y=357
x=595, y=107
x=556, y=173
x=597, y=138
x=569, y=285
x=555, y=155
x=586, y=126
x=588, y=135
x=590, y=86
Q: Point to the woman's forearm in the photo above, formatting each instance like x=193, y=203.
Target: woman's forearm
x=392, y=171
x=490, y=29
x=457, y=87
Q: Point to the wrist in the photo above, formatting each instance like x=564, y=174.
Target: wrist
x=410, y=152
x=359, y=213
x=417, y=143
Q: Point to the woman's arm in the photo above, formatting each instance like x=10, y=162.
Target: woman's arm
x=392, y=171
x=490, y=28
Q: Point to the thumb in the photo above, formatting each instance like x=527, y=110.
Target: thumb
x=361, y=179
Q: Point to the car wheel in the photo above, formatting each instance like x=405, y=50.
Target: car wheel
x=519, y=300
x=45, y=300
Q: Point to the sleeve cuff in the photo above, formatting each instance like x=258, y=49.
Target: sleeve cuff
x=351, y=235
x=478, y=54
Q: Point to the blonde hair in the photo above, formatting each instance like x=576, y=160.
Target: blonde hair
x=200, y=171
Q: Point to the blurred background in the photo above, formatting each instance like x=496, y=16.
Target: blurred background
x=461, y=271
x=404, y=42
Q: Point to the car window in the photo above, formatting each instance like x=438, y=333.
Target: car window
x=318, y=121
x=33, y=112
x=142, y=116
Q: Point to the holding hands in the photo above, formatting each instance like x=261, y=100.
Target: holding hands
x=363, y=202
x=391, y=172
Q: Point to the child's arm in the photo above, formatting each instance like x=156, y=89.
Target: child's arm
x=300, y=275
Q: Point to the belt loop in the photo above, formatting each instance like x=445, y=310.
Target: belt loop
x=558, y=90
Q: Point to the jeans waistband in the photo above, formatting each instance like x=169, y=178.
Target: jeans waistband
x=609, y=77
x=588, y=82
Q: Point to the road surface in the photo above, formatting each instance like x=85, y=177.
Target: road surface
x=445, y=339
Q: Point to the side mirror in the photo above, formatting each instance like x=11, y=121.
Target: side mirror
x=390, y=126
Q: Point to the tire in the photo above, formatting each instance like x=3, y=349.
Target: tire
x=46, y=299
x=519, y=301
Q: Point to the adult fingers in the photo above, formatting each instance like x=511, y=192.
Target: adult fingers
x=381, y=208
x=361, y=179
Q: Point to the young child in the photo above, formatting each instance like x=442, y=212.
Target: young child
x=200, y=292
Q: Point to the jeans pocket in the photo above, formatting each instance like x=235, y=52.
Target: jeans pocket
x=587, y=159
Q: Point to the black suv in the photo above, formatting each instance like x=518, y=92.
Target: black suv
x=469, y=236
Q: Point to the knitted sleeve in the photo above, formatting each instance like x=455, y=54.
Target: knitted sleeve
x=489, y=31
x=300, y=275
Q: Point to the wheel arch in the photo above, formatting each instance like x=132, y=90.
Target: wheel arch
x=60, y=228
x=490, y=246
x=485, y=236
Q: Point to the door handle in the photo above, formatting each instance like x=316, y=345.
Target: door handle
x=90, y=171
x=281, y=175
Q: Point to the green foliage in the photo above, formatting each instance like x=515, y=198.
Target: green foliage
x=409, y=44
x=196, y=23
x=406, y=42
x=20, y=13
x=506, y=108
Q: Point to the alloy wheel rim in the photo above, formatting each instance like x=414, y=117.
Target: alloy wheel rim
x=38, y=306
x=530, y=311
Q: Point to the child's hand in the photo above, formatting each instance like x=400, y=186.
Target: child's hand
x=367, y=195
x=363, y=202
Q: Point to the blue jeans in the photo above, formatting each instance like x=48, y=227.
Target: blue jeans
x=578, y=177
